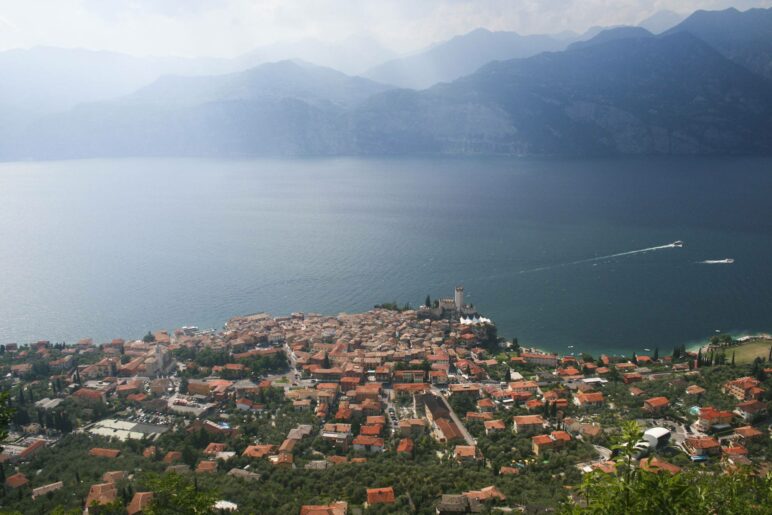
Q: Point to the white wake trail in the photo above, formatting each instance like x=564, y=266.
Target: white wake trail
x=601, y=258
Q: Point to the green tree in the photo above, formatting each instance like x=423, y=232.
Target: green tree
x=428, y=301
x=174, y=494
x=148, y=338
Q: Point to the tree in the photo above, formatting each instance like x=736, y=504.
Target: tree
x=428, y=301
x=184, y=385
x=733, y=358
x=175, y=494
x=148, y=338
x=326, y=361
x=188, y=456
x=656, y=354
x=635, y=358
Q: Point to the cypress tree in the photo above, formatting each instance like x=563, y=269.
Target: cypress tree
x=733, y=358
x=656, y=354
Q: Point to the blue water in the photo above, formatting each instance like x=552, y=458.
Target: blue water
x=112, y=248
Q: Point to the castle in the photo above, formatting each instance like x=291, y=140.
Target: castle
x=453, y=307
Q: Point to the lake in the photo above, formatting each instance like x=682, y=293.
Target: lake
x=112, y=248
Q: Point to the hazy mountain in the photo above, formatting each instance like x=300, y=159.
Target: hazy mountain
x=352, y=55
x=613, y=34
x=671, y=94
x=44, y=79
x=284, y=108
x=462, y=55
x=744, y=37
x=661, y=21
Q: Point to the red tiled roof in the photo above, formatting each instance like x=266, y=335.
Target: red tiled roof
x=380, y=495
x=104, y=453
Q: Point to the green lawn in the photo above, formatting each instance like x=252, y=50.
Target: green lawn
x=747, y=352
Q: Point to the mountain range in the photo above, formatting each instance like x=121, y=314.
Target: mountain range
x=702, y=86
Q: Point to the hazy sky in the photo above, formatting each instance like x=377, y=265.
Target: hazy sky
x=229, y=27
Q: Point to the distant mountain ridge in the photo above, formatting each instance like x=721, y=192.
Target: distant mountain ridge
x=699, y=88
x=459, y=56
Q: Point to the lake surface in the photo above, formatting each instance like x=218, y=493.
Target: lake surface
x=112, y=248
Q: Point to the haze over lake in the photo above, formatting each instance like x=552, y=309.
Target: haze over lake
x=112, y=248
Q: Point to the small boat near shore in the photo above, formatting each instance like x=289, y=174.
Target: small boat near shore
x=677, y=244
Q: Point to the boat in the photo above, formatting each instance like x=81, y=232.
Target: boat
x=678, y=244
x=727, y=261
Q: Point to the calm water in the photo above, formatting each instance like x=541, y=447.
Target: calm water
x=112, y=248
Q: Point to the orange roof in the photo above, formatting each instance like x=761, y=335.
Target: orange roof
x=541, y=440
x=380, y=495
x=214, y=448
x=526, y=420
x=172, y=456
x=703, y=442
x=465, y=451
x=495, y=424
x=139, y=502
x=368, y=440
x=711, y=413
x=16, y=480
x=405, y=446
x=735, y=450
x=338, y=508
x=371, y=430
x=657, y=465
x=748, y=432
x=206, y=466
x=104, y=493
x=508, y=471
x=657, y=402
x=561, y=435
x=104, y=453
x=257, y=451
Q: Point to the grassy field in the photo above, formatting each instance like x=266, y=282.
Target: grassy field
x=747, y=352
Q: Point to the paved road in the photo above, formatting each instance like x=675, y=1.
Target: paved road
x=461, y=426
x=603, y=451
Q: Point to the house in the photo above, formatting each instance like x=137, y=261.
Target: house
x=103, y=493
x=89, y=396
x=172, y=456
x=467, y=453
x=655, y=404
x=17, y=480
x=554, y=440
x=380, y=496
x=702, y=446
x=470, y=389
x=486, y=405
x=657, y=465
x=524, y=386
x=494, y=426
x=139, y=503
x=632, y=377
x=257, y=451
x=710, y=417
x=695, y=390
x=213, y=448
x=113, y=476
x=42, y=490
x=368, y=443
x=453, y=504
x=547, y=360
x=104, y=453
x=405, y=446
x=412, y=427
x=744, y=388
x=206, y=467
x=588, y=399
x=339, y=434
x=336, y=508
x=527, y=424
x=751, y=410
x=748, y=433
x=489, y=493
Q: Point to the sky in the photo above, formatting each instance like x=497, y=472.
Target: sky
x=226, y=28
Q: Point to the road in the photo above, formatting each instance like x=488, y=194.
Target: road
x=454, y=417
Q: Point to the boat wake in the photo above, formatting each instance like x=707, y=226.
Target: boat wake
x=674, y=245
x=727, y=261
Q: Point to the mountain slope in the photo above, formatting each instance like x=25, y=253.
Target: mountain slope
x=459, y=56
x=670, y=94
x=282, y=108
x=612, y=34
x=744, y=37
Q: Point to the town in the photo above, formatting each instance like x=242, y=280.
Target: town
x=395, y=410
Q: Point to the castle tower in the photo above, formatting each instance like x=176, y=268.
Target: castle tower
x=459, y=297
